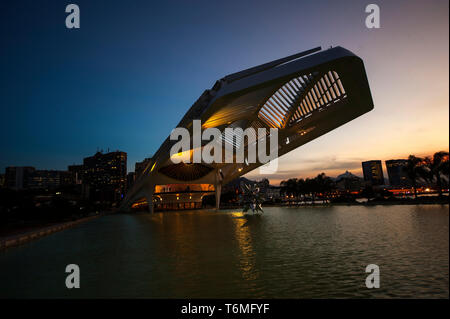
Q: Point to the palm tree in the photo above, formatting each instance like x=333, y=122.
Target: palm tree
x=290, y=187
x=283, y=187
x=427, y=175
x=324, y=185
x=415, y=169
x=439, y=165
x=301, y=188
x=311, y=187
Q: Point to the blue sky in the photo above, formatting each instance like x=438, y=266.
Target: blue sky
x=127, y=76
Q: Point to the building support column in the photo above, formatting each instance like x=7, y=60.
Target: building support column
x=149, y=197
x=218, y=188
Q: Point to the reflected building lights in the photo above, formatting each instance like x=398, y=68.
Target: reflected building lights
x=247, y=261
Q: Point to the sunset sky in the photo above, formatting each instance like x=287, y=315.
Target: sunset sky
x=128, y=75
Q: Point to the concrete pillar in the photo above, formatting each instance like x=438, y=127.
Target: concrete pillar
x=218, y=188
x=149, y=197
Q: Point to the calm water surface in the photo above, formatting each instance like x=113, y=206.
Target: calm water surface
x=310, y=252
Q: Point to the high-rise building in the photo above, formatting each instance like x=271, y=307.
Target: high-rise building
x=396, y=170
x=373, y=172
x=2, y=180
x=106, y=176
x=17, y=177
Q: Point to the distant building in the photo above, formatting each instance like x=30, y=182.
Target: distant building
x=18, y=177
x=2, y=180
x=105, y=176
x=272, y=193
x=349, y=182
x=44, y=179
x=65, y=178
x=396, y=170
x=139, y=167
x=76, y=173
x=373, y=172
x=30, y=178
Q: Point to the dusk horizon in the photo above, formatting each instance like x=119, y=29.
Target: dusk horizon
x=117, y=110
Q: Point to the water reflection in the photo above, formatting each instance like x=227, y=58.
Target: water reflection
x=307, y=252
x=243, y=236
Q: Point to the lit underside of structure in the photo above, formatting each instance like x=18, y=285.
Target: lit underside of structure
x=304, y=96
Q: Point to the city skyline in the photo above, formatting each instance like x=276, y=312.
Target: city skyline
x=359, y=171
x=95, y=91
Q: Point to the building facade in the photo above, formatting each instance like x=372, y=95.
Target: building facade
x=105, y=175
x=17, y=177
x=76, y=174
x=44, y=179
x=373, y=173
x=273, y=193
x=396, y=170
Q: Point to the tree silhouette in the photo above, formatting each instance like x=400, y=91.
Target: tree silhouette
x=439, y=165
x=416, y=168
x=321, y=184
x=324, y=185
